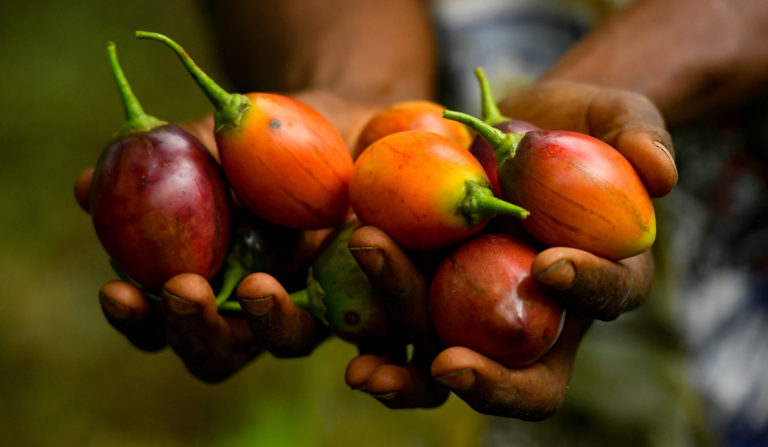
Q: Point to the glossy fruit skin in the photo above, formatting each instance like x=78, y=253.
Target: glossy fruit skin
x=409, y=184
x=485, y=154
x=482, y=297
x=354, y=310
x=160, y=206
x=411, y=115
x=287, y=163
x=581, y=193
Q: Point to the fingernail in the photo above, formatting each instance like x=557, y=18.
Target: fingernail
x=559, y=275
x=461, y=379
x=258, y=307
x=392, y=395
x=179, y=305
x=370, y=258
x=663, y=147
x=116, y=310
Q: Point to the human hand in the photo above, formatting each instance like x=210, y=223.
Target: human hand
x=630, y=123
x=532, y=392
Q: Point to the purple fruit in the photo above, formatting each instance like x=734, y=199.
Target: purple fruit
x=159, y=201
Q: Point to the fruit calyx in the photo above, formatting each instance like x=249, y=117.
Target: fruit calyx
x=479, y=204
x=504, y=144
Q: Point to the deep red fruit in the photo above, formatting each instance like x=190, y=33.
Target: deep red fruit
x=483, y=297
x=160, y=206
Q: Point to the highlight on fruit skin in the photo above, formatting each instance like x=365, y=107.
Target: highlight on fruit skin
x=482, y=297
x=158, y=200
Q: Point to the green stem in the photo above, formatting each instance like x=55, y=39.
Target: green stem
x=301, y=299
x=232, y=277
x=490, y=111
x=504, y=144
x=234, y=273
x=232, y=306
x=136, y=119
x=480, y=203
x=230, y=107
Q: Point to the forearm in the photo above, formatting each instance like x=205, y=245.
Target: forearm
x=365, y=50
x=687, y=56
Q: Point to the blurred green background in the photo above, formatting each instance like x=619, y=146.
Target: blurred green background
x=67, y=378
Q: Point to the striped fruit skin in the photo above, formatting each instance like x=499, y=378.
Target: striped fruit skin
x=581, y=193
x=410, y=184
x=160, y=206
x=287, y=163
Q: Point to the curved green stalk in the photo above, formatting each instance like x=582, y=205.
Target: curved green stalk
x=230, y=107
x=504, y=144
x=489, y=110
x=234, y=273
x=479, y=204
x=136, y=119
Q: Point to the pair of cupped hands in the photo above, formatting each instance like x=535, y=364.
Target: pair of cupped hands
x=213, y=346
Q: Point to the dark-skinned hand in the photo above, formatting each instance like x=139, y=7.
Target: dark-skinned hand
x=590, y=287
x=215, y=345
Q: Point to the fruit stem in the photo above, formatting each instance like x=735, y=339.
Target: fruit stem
x=504, y=144
x=300, y=298
x=136, y=119
x=489, y=110
x=480, y=203
x=230, y=107
x=233, y=274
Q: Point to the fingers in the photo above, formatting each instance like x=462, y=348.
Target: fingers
x=280, y=327
x=211, y=347
x=393, y=385
x=531, y=393
x=130, y=312
x=361, y=368
x=632, y=124
x=391, y=271
x=627, y=121
x=83, y=189
x=603, y=288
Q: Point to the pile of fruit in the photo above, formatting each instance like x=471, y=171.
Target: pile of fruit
x=162, y=205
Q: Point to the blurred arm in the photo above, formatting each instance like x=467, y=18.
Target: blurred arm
x=687, y=56
x=363, y=50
